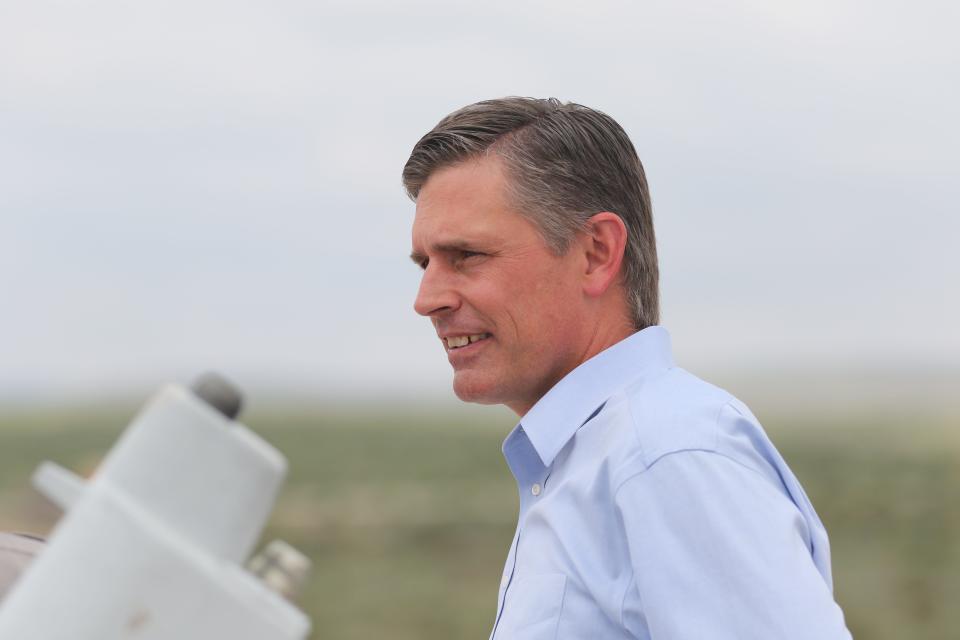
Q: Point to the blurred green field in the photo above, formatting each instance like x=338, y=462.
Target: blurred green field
x=408, y=516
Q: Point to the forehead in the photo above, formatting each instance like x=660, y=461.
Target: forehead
x=468, y=200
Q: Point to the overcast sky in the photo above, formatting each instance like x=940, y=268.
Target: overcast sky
x=194, y=185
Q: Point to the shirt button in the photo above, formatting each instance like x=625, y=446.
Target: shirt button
x=536, y=489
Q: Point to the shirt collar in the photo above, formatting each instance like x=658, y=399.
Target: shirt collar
x=557, y=416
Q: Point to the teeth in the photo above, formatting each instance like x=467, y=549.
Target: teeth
x=455, y=342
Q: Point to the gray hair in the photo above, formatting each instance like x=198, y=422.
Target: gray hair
x=565, y=163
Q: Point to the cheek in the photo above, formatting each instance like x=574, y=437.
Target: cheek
x=562, y=305
x=547, y=316
x=533, y=303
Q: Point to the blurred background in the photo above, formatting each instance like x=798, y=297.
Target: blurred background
x=200, y=185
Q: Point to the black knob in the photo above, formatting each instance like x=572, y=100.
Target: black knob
x=219, y=393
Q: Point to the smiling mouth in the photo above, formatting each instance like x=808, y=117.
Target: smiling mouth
x=458, y=342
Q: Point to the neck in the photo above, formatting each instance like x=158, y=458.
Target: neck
x=601, y=335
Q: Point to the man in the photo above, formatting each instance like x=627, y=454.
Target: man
x=652, y=505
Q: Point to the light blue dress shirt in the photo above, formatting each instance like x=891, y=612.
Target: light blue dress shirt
x=653, y=506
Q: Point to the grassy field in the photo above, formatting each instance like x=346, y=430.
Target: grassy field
x=408, y=517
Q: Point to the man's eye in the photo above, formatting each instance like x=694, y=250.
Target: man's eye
x=469, y=254
x=423, y=263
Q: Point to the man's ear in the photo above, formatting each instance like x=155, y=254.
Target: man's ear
x=604, y=242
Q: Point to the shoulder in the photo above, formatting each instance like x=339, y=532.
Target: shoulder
x=676, y=412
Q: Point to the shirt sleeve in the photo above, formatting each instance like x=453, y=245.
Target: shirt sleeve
x=720, y=552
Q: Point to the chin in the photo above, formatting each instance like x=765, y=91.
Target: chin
x=469, y=388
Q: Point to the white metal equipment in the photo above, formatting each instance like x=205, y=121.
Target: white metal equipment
x=152, y=547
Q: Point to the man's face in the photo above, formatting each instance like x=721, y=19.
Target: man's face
x=507, y=309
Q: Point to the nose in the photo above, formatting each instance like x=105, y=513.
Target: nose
x=437, y=293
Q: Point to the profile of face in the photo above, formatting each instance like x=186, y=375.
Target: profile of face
x=507, y=309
